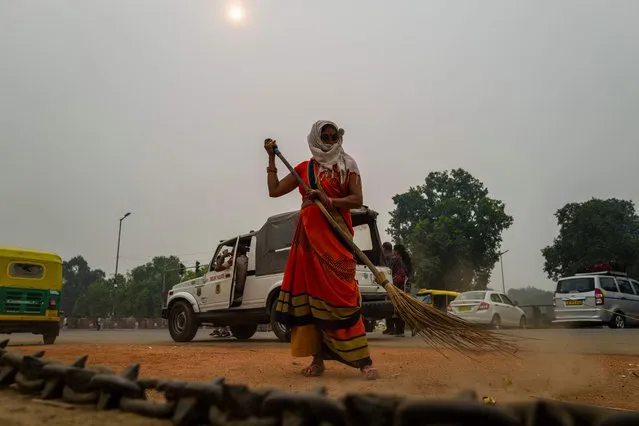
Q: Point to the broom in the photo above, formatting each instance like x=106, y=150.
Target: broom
x=435, y=327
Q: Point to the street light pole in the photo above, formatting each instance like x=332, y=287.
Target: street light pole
x=501, y=263
x=117, y=255
x=117, y=260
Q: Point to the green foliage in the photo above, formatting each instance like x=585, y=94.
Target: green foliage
x=139, y=293
x=77, y=276
x=192, y=274
x=96, y=302
x=593, y=231
x=142, y=293
x=452, y=228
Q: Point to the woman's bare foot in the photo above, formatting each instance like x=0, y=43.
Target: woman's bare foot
x=369, y=373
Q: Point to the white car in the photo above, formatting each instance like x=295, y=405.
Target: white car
x=213, y=299
x=487, y=308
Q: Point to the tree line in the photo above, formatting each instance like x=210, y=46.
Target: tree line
x=450, y=225
x=138, y=293
x=453, y=229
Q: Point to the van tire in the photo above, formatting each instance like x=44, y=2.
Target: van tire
x=495, y=322
x=49, y=338
x=243, y=332
x=618, y=320
x=183, y=323
x=282, y=332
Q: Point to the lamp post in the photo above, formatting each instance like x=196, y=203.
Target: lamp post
x=117, y=255
x=117, y=260
x=501, y=263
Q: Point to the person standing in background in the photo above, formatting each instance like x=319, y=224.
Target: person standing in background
x=402, y=268
x=387, y=254
x=400, y=250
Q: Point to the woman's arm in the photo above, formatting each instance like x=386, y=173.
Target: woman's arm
x=354, y=199
x=276, y=187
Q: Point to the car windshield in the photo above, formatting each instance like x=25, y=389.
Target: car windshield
x=576, y=285
x=472, y=295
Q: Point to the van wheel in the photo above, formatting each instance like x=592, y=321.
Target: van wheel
x=49, y=338
x=282, y=332
x=522, y=322
x=243, y=332
x=182, y=322
x=618, y=320
x=495, y=322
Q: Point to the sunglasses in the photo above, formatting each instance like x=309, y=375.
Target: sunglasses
x=325, y=138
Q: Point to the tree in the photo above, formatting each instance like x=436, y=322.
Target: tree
x=452, y=228
x=531, y=296
x=77, y=276
x=197, y=272
x=142, y=293
x=96, y=302
x=590, y=232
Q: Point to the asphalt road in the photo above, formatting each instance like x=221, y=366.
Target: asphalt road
x=584, y=340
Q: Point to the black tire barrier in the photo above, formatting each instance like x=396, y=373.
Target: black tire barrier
x=218, y=403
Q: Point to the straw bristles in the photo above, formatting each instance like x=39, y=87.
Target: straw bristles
x=440, y=329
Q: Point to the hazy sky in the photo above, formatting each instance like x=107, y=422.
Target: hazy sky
x=161, y=108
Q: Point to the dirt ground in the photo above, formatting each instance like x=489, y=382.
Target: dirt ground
x=606, y=380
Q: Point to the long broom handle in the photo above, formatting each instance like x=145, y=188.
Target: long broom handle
x=380, y=277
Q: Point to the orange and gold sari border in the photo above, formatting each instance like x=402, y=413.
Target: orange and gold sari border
x=303, y=304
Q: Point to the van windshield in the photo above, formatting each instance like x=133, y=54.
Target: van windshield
x=576, y=285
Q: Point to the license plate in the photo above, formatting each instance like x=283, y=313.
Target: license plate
x=464, y=308
x=574, y=302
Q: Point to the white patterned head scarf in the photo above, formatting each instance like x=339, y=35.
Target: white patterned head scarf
x=327, y=155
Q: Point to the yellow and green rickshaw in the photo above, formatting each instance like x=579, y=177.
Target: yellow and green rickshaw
x=437, y=298
x=30, y=290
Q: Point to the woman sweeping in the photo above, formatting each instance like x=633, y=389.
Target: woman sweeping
x=319, y=299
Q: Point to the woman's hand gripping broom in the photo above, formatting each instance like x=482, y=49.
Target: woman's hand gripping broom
x=434, y=326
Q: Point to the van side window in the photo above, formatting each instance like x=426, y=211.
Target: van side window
x=635, y=286
x=608, y=284
x=624, y=286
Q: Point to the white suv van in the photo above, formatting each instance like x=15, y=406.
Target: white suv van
x=606, y=297
x=211, y=299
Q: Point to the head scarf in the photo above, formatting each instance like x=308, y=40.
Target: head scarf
x=329, y=156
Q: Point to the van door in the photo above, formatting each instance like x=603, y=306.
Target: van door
x=635, y=302
x=628, y=298
x=218, y=281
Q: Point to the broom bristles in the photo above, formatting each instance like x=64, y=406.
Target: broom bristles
x=440, y=329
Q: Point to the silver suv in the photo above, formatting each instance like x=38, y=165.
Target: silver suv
x=600, y=297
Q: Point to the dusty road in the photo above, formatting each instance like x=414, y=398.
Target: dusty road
x=593, y=366
x=580, y=341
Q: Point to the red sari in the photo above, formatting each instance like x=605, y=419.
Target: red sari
x=319, y=298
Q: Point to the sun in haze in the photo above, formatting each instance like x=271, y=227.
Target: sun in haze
x=236, y=13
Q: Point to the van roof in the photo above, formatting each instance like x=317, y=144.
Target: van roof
x=590, y=274
x=29, y=254
x=279, y=216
